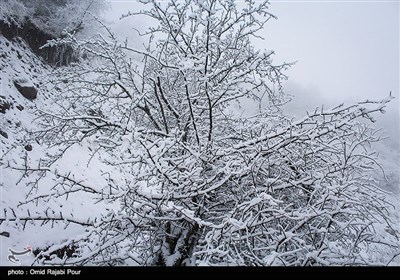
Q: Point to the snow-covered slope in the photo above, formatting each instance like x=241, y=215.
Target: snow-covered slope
x=18, y=146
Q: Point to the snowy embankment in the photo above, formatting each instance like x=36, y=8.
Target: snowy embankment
x=17, y=147
x=17, y=124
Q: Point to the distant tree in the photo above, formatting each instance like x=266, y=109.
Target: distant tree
x=200, y=185
x=38, y=21
x=51, y=16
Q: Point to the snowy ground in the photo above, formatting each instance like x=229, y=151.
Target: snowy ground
x=17, y=62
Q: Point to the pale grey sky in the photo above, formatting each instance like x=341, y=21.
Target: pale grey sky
x=346, y=50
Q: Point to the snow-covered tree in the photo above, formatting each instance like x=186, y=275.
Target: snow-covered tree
x=51, y=16
x=38, y=21
x=196, y=184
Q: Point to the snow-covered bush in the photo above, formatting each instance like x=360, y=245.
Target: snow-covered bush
x=196, y=185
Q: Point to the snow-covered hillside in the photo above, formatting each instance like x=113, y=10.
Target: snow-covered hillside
x=18, y=147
